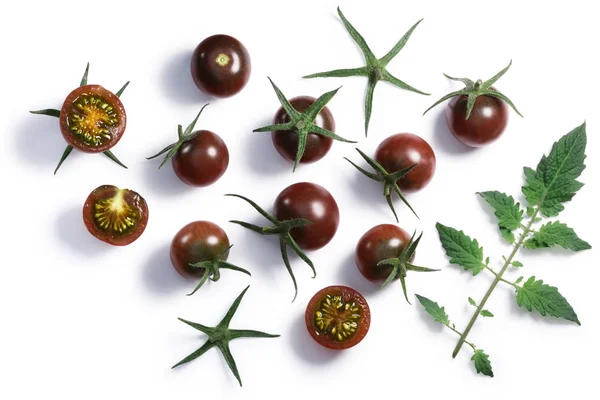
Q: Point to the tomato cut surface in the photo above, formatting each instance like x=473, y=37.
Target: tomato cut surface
x=92, y=119
x=115, y=216
x=337, y=317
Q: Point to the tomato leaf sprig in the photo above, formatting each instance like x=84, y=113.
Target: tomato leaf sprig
x=375, y=69
x=51, y=112
x=546, y=188
x=220, y=336
x=282, y=229
x=302, y=123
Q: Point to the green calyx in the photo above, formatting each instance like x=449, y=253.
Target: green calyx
x=281, y=229
x=303, y=123
x=375, y=69
x=56, y=113
x=220, y=336
x=389, y=180
x=184, y=136
x=401, y=265
x=212, y=268
x=475, y=89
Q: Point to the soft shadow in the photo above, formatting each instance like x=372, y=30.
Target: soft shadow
x=163, y=181
x=305, y=346
x=349, y=275
x=444, y=139
x=265, y=159
x=372, y=193
x=159, y=275
x=71, y=230
x=177, y=81
x=39, y=141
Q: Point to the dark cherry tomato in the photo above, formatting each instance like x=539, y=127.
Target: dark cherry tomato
x=337, y=317
x=202, y=160
x=92, y=119
x=486, y=123
x=313, y=203
x=195, y=242
x=115, y=216
x=402, y=150
x=286, y=142
x=377, y=244
x=221, y=66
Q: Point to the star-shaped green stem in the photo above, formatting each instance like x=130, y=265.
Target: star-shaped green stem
x=184, y=136
x=282, y=229
x=389, y=180
x=303, y=123
x=375, y=69
x=401, y=264
x=56, y=113
x=220, y=336
x=475, y=89
x=212, y=269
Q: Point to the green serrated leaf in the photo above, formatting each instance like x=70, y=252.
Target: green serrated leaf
x=507, y=211
x=530, y=211
x=461, y=249
x=517, y=264
x=482, y=363
x=554, y=181
x=486, y=313
x=556, y=234
x=438, y=313
x=536, y=295
x=507, y=235
x=519, y=280
x=472, y=302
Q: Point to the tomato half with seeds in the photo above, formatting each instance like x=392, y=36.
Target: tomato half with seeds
x=311, y=202
x=338, y=317
x=92, y=119
x=202, y=160
x=221, y=66
x=195, y=242
x=115, y=216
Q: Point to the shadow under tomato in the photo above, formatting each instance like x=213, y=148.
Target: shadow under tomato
x=349, y=275
x=71, y=230
x=177, y=82
x=305, y=346
x=163, y=182
x=264, y=159
x=444, y=140
x=160, y=277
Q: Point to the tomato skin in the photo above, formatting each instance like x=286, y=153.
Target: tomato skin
x=379, y=243
x=348, y=295
x=195, y=242
x=317, y=146
x=486, y=123
x=313, y=203
x=221, y=66
x=130, y=205
x=202, y=160
x=69, y=108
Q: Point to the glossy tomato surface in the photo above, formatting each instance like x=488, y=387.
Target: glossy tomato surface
x=337, y=317
x=115, y=216
x=313, y=203
x=402, y=150
x=486, y=123
x=377, y=244
x=221, y=66
x=195, y=242
x=92, y=119
x=286, y=142
x=202, y=160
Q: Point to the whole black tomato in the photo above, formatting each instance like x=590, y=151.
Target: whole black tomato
x=402, y=150
x=202, y=160
x=313, y=203
x=221, y=66
x=317, y=146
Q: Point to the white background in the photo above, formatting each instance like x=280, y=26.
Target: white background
x=81, y=319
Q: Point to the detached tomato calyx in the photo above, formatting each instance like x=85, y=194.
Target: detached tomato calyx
x=389, y=180
x=282, y=229
x=212, y=267
x=302, y=123
x=375, y=69
x=220, y=336
x=475, y=89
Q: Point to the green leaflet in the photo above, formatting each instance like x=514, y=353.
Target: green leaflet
x=438, y=313
x=482, y=363
x=486, y=313
x=508, y=212
x=545, y=299
x=554, y=180
x=517, y=264
x=556, y=234
x=507, y=235
x=461, y=249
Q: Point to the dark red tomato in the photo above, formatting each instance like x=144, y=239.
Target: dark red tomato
x=221, y=66
x=486, y=123
x=115, y=216
x=286, y=142
x=195, y=242
x=402, y=150
x=377, y=244
x=92, y=119
x=337, y=317
x=202, y=160
x=313, y=203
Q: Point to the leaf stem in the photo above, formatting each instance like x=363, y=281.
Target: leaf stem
x=500, y=279
x=460, y=334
